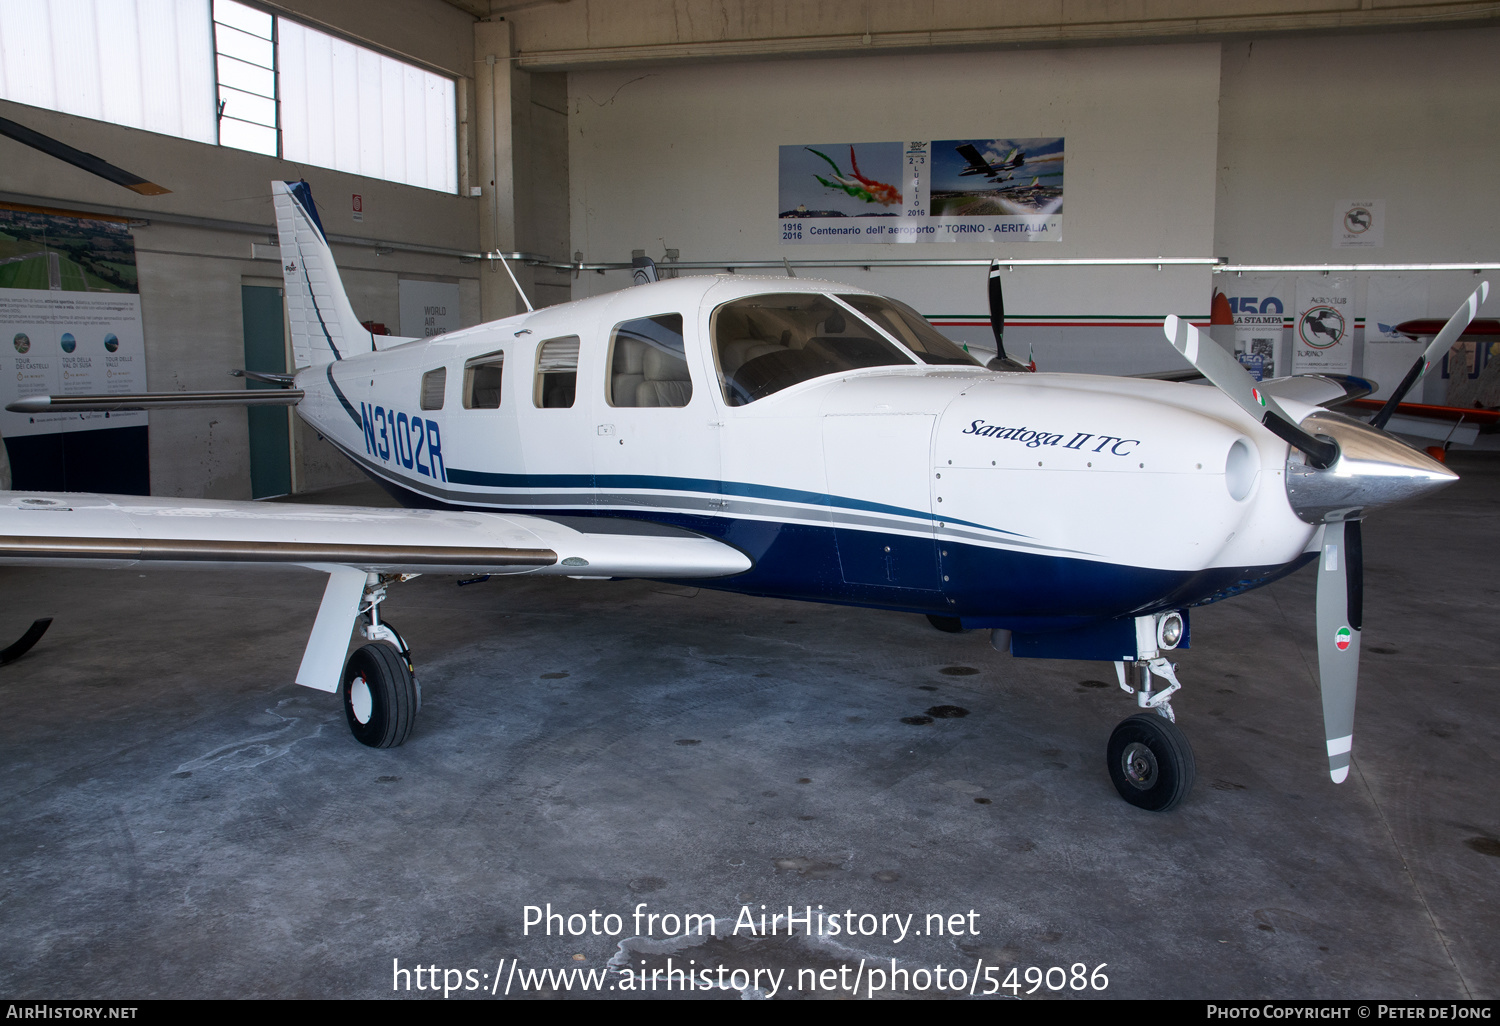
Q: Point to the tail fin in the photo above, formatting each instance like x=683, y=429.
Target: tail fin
x=324, y=327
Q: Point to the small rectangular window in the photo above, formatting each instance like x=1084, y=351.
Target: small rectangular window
x=556, y=373
x=434, y=382
x=482, y=379
x=648, y=365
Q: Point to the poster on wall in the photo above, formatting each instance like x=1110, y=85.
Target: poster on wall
x=1322, y=333
x=1391, y=299
x=946, y=190
x=1259, y=307
x=70, y=324
x=1359, y=224
x=428, y=307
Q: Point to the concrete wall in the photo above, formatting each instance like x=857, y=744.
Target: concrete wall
x=1237, y=149
x=686, y=157
x=1409, y=119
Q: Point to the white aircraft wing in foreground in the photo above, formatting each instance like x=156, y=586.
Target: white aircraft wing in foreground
x=361, y=550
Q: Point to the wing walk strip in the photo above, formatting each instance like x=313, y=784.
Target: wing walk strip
x=269, y=552
x=812, y=512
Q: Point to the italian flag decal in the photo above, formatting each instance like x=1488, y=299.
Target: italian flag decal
x=1258, y=397
x=1342, y=637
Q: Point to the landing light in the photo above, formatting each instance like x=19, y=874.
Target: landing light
x=1169, y=630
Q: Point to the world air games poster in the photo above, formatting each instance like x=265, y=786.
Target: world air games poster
x=946, y=190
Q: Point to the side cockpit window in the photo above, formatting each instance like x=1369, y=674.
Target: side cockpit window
x=556, y=373
x=912, y=330
x=434, y=382
x=764, y=344
x=647, y=363
x=483, y=376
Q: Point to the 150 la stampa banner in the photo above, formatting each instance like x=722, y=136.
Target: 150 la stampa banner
x=947, y=190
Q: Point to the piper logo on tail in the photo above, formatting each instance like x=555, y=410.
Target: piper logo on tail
x=1342, y=638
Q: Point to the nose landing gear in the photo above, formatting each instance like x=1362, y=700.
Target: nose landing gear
x=1149, y=759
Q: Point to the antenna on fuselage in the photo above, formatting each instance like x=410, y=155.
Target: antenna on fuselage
x=505, y=264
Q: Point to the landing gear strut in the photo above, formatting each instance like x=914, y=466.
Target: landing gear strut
x=380, y=690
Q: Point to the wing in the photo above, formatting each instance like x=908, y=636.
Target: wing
x=348, y=543
x=969, y=153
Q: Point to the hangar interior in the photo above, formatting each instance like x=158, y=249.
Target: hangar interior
x=181, y=827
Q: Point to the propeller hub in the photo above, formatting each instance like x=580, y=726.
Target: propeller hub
x=1373, y=471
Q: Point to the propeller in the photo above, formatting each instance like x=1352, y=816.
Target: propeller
x=87, y=161
x=1437, y=348
x=1001, y=362
x=1369, y=469
x=1215, y=364
x=1340, y=610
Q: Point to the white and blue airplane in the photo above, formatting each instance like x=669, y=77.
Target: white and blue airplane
x=792, y=438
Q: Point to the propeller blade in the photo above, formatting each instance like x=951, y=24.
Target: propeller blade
x=1339, y=615
x=1218, y=366
x=87, y=161
x=23, y=644
x=1434, y=351
x=997, y=309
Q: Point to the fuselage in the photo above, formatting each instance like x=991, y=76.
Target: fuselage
x=1028, y=501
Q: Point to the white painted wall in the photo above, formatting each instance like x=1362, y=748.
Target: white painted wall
x=1409, y=118
x=686, y=157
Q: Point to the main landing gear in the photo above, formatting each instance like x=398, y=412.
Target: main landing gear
x=1150, y=760
x=380, y=690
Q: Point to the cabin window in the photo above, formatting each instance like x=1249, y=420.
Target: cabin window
x=556, y=373
x=647, y=365
x=764, y=344
x=912, y=330
x=483, y=376
x=433, y=384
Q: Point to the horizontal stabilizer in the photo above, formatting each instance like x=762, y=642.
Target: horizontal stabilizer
x=138, y=401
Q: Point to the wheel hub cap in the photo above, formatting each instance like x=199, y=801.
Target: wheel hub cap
x=360, y=699
x=1139, y=764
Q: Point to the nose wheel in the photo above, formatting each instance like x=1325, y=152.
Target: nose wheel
x=1151, y=762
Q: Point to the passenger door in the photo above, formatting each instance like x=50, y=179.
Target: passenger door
x=656, y=427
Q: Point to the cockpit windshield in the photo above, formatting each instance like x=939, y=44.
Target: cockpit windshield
x=766, y=343
x=912, y=330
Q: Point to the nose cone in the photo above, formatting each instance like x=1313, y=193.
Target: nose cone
x=1373, y=471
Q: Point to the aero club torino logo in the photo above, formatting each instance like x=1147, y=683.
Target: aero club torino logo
x=1342, y=638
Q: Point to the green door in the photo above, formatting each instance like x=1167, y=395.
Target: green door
x=270, y=426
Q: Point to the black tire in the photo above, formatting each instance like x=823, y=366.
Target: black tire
x=1151, y=762
x=946, y=624
x=376, y=674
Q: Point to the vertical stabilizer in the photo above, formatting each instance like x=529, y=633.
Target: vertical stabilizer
x=324, y=327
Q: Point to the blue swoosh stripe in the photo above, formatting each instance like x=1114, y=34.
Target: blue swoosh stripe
x=691, y=484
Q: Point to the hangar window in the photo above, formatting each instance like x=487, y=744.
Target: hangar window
x=434, y=382
x=144, y=65
x=911, y=329
x=556, y=373
x=226, y=72
x=647, y=365
x=764, y=344
x=483, y=376
x=245, y=66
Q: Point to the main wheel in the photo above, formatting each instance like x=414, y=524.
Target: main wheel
x=946, y=624
x=1151, y=762
x=380, y=696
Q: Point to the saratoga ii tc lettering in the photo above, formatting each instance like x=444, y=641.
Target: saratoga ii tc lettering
x=1031, y=439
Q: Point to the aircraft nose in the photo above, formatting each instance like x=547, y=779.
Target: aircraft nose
x=1374, y=471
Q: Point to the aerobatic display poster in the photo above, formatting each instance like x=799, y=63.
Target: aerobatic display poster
x=947, y=190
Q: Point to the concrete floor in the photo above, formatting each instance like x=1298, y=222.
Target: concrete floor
x=179, y=820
